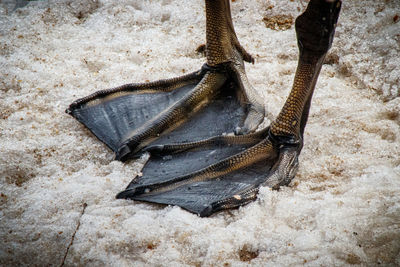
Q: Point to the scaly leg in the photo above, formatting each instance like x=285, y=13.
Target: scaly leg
x=315, y=30
x=223, y=47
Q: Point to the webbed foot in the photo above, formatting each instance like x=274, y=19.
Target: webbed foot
x=227, y=171
x=193, y=163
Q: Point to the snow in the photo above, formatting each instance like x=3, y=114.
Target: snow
x=342, y=208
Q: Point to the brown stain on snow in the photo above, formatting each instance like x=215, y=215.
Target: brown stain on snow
x=246, y=254
x=278, y=22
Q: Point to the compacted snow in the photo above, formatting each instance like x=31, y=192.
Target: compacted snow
x=58, y=182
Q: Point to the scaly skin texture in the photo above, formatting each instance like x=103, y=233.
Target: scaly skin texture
x=288, y=121
x=157, y=86
x=221, y=37
x=263, y=150
x=315, y=30
x=223, y=47
x=170, y=119
x=247, y=139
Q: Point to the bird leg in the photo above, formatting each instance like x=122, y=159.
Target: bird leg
x=216, y=171
x=315, y=30
x=223, y=49
x=222, y=42
x=276, y=147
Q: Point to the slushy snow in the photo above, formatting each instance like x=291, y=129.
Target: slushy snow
x=342, y=208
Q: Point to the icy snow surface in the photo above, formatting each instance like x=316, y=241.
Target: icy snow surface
x=342, y=208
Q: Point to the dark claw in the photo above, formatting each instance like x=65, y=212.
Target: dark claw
x=123, y=153
x=125, y=194
x=207, y=211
